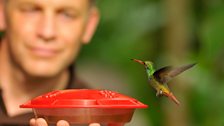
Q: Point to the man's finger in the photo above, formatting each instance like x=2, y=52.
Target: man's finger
x=62, y=123
x=41, y=122
x=94, y=124
x=32, y=122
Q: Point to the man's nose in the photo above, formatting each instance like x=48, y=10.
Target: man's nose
x=47, y=27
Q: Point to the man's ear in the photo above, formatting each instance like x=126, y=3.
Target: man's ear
x=91, y=25
x=2, y=17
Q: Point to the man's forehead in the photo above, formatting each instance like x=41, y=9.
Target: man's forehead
x=51, y=2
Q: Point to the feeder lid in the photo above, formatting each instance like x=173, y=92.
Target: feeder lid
x=83, y=98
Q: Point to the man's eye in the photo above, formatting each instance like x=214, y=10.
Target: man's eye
x=29, y=9
x=69, y=15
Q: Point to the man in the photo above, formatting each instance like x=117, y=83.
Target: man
x=41, y=40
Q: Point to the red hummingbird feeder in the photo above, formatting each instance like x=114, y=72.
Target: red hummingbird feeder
x=84, y=106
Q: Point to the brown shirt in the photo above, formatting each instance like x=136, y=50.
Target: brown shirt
x=23, y=119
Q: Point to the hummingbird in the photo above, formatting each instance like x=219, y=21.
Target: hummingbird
x=158, y=79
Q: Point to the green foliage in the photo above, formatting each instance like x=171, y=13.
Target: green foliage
x=134, y=29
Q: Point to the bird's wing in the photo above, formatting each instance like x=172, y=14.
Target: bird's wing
x=165, y=74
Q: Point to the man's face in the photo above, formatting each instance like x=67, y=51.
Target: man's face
x=45, y=36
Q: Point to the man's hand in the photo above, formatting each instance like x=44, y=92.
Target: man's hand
x=42, y=122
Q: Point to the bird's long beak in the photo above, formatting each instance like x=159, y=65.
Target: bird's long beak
x=139, y=61
x=172, y=97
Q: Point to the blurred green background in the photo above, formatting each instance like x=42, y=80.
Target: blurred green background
x=167, y=32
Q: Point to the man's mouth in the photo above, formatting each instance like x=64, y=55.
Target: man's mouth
x=43, y=52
